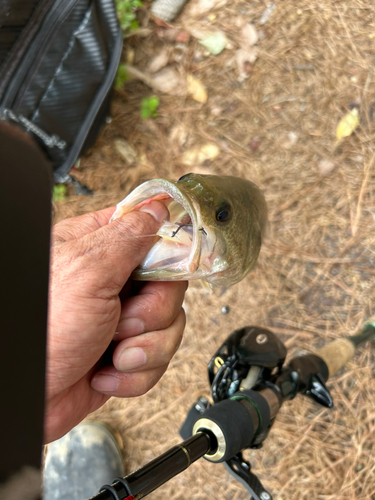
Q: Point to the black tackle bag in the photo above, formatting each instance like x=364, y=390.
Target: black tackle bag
x=58, y=61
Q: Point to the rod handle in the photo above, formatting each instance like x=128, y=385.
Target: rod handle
x=339, y=352
x=336, y=354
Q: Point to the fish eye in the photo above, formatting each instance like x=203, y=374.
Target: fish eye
x=183, y=177
x=223, y=212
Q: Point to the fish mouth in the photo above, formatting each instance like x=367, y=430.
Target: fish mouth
x=177, y=252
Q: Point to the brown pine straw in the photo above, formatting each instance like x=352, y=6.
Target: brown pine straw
x=314, y=281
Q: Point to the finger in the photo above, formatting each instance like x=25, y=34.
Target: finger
x=111, y=382
x=154, y=308
x=150, y=350
x=115, y=250
x=76, y=227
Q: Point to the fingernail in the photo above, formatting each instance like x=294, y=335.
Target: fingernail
x=131, y=358
x=104, y=383
x=131, y=327
x=156, y=209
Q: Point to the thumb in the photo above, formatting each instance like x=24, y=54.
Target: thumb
x=119, y=247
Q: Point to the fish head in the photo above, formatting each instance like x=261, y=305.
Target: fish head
x=214, y=231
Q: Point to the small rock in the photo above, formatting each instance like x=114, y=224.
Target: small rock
x=326, y=167
x=225, y=309
x=125, y=150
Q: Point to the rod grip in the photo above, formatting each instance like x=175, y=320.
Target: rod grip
x=336, y=354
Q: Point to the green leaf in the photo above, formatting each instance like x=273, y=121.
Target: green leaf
x=149, y=107
x=134, y=25
x=121, y=76
x=59, y=192
x=125, y=13
x=215, y=43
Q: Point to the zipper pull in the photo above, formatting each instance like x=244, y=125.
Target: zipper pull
x=50, y=141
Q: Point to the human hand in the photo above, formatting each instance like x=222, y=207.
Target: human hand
x=91, y=264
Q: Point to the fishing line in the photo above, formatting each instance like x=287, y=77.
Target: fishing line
x=144, y=236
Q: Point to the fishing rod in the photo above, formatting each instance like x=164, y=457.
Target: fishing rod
x=249, y=383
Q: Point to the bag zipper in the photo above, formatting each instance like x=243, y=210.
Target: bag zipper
x=49, y=140
x=51, y=22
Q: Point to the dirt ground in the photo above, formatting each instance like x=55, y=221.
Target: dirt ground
x=273, y=121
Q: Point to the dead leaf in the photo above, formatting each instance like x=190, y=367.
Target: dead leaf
x=159, y=61
x=196, y=89
x=249, y=36
x=178, y=134
x=326, y=167
x=161, y=23
x=200, y=32
x=144, y=161
x=130, y=55
x=244, y=60
x=174, y=35
x=125, y=150
x=203, y=6
x=347, y=125
x=169, y=81
x=200, y=154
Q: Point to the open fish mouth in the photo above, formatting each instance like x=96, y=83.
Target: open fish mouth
x=177, y=253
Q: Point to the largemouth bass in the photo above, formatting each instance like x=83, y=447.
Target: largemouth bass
x=214, y=232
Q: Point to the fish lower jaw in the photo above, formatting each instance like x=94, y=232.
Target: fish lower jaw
x=173, y=251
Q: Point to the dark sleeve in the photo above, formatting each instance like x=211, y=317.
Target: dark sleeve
x=25, y=211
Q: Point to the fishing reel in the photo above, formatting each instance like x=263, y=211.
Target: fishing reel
x=248, y=369
x=249, y=383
